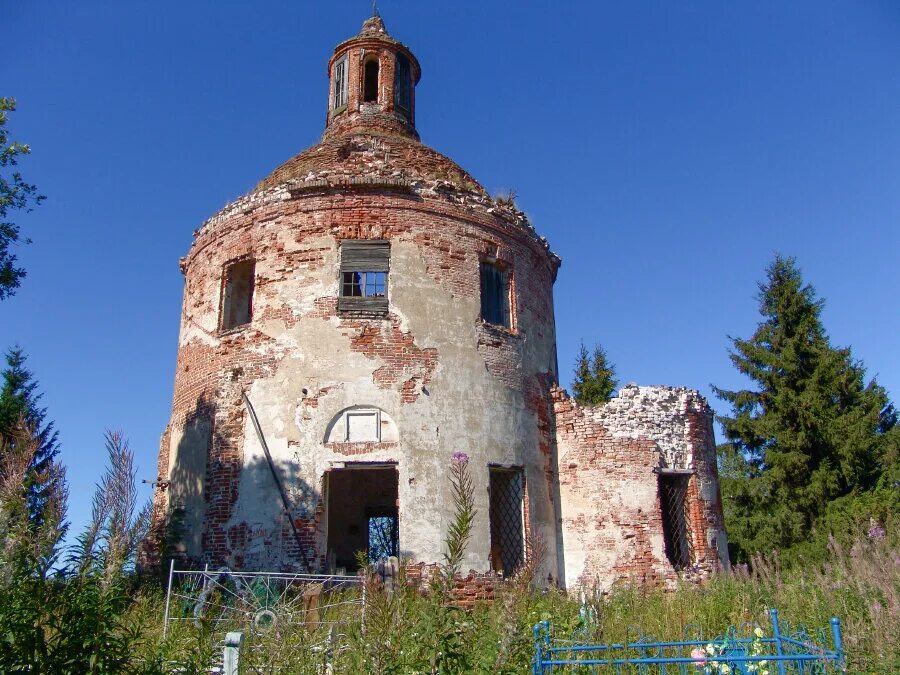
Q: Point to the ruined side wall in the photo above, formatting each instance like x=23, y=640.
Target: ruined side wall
x=447, y=381
x=609, y=456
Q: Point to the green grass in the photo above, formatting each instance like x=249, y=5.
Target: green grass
x=413, y=632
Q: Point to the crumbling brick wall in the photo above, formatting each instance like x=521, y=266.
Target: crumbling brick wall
x=609, y=459
x=450, y=382
x=446, y=379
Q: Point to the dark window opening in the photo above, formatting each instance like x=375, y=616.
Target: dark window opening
x=237, y=294
x=370, y=87
x=507, y=520
x=364, y=276
x=340, y=84
x=362, y=515
x=402, y=84
x=494, y=294
x=676, y=519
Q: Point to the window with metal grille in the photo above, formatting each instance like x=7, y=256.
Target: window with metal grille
x=340, y=84
x=402, y=84
x=676, y=519
x=364, y=276
x=370, y=86
x=494, y=294
x=237, y=294
x=507, y=519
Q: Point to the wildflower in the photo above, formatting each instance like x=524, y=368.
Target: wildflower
x=758, y=632
x=460, y=457
x=698, y=655
x=725, y=668
x=875, y=531
x=710, y=649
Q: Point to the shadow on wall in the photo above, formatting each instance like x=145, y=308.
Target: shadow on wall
x=206, y=472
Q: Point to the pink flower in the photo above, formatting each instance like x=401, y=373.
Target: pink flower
x=460, y=457
x=698, y=655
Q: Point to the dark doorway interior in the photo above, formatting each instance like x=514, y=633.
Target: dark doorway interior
x=362, y=514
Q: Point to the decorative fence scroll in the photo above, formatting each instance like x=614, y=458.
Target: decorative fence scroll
x=263, y=605
x=749, y=651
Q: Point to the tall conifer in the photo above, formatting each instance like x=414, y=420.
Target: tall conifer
x=595, y=377
x=812, y=429
x=20, y=402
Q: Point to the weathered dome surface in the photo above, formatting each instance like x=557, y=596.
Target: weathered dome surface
x=372, y=155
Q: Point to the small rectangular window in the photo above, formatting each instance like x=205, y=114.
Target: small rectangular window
x=402, y=84
x=237, y=294
x=340, y=84
x=676, y=520
x=364, y=276
x=494, y=294
x=507, y=519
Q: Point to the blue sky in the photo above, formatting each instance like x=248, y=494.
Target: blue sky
x=666, y=150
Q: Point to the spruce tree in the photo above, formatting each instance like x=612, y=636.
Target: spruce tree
x=20, y=403
x=810, y=431
x=595, y=377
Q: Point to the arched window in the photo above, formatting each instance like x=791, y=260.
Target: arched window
x=370, y=85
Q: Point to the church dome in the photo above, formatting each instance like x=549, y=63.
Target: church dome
x=370, y=129
x=374, y=156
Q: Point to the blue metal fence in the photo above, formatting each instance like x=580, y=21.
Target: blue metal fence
x=747, y=652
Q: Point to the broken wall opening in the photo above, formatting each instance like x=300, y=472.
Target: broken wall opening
x=673, y=490
x=362, y=514
x=507, y=519
x=237, y=294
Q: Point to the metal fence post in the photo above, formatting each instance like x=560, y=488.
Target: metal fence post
x=168, y=597
x=538, y=667
x=231, y=657
x=776, y=633
x=838, y=642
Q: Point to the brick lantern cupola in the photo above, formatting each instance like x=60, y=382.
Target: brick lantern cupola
x=372, y=80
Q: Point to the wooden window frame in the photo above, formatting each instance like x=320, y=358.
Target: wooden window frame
x=365, y=256
x=341, y=86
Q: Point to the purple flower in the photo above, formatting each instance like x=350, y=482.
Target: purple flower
x=876, y=531
x=460, y=457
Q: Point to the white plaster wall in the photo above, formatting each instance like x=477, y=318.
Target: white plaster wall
x=465, y=409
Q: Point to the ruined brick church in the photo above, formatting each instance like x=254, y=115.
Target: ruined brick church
x=367, y=311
